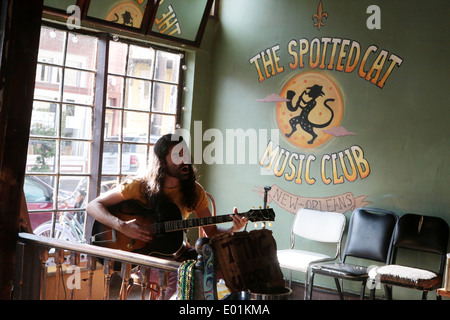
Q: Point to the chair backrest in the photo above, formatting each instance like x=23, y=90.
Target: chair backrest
x=212, y=205
x=319, y=225
x=370, y=234
x=421, y=233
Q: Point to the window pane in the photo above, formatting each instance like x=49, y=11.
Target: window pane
x=135, y=138
x=127, y=12
x=39, y=192
x=75, y=156
x=59, y=4
x=81, y=52
x=160, y=126
x=52, y=46
x=44, y=119
x=137, y=95
x=79, y=87
x=76, y=122
x=180, y=19
x=117, y=57
x=81, y=192
x=133, y=157
x=48, y=83
x=165, y=98
x=135, y=126
x=150, y=150
x=113, y=123
x=167, y=66
x=140, y=62
x=110, y=158
x=72, y=192
x=115, y=92
x=108, y=183
x=38, y=217
x=41, y=155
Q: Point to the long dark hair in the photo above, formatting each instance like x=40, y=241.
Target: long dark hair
x=157, y=173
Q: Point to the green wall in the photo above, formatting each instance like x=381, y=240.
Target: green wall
x=401, y=128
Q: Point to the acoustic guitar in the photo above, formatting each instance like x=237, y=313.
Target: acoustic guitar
x=165, y=224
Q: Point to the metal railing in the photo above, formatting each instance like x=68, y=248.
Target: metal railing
x=33, y=254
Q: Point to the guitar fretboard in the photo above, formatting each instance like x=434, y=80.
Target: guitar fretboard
x=177, y=225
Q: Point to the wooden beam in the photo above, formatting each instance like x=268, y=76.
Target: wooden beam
x=19, y=49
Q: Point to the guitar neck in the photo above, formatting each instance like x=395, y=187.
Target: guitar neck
x=193, y=223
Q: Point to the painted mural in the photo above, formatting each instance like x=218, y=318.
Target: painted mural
x=309, y=111
x=128, y=14
x=292, y=203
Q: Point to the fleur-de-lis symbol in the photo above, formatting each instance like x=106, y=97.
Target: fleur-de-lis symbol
x=319, y=17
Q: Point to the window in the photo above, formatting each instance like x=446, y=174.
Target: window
x=142, y=102
x=142, y=99
x=177, y=20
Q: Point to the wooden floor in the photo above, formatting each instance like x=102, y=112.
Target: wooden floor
x=297, y=292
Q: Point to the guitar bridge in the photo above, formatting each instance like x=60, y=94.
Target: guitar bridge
x=113, y=237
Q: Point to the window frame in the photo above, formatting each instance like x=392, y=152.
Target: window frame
x=99, y=107
x=146, y=25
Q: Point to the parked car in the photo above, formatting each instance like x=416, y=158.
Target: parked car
x=131, y=158
x=39, y=196
x=69, y=224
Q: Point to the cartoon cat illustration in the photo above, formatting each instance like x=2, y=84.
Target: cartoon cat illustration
x=307, y=102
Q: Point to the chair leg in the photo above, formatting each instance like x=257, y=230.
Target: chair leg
x=424, y=295
x=372, y=294
x=388, y=291
x=310, y=285
x=305, y=294
x=363, y=290
x=290, y=278
x=372, y=285
x=338, y=287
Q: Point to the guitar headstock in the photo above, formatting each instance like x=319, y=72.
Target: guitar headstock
x=255, y=215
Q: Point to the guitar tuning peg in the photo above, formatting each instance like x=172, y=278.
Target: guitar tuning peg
x=259, y=207
x=263, y=225
x=256, y=225
x=270, y=224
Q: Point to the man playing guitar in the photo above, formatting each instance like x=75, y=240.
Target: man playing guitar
x=170, y=177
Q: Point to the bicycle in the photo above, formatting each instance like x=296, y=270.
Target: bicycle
x=67, y=228
x=69, y=225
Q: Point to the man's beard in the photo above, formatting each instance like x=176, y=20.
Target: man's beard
x=181, y=172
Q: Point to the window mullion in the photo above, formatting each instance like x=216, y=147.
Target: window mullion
x=124, y=95
x=180, y=86
x=57, y=168
x=98, y=124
